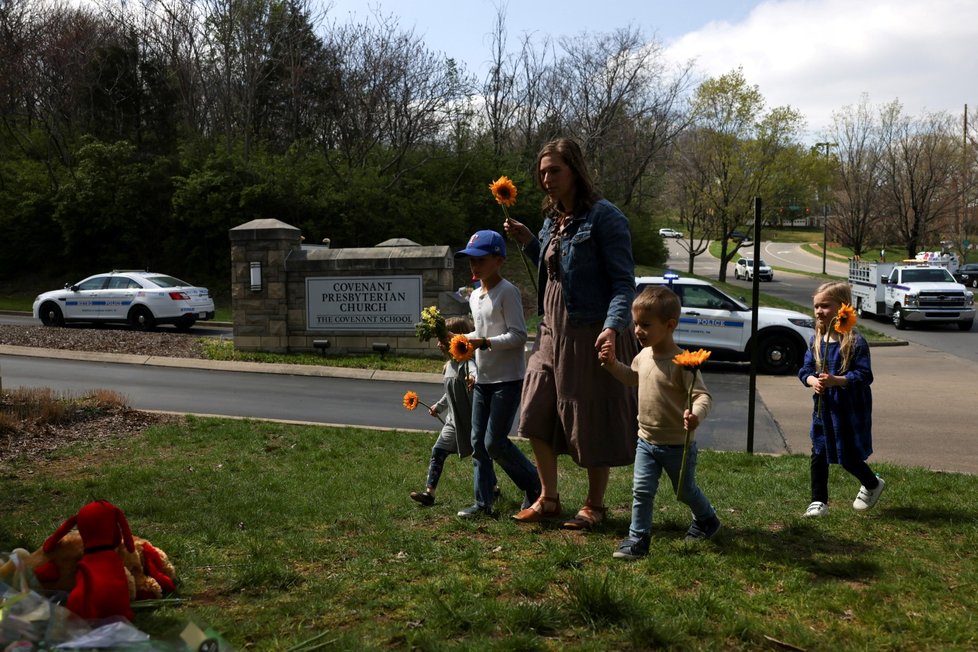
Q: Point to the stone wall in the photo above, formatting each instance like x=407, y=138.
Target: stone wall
x=274, y=317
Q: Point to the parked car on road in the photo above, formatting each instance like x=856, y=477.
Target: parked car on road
x=967, y=275
x=141, y=299
x=740, y=237
x=670, y=233
x=744, y=269
x=715, y=321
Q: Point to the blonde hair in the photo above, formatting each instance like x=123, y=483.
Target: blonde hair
x=840, y=293
x=660, y=301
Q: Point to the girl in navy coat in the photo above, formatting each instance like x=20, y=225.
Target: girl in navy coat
x=837, y=368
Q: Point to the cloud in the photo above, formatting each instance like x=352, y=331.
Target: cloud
x=822, y=55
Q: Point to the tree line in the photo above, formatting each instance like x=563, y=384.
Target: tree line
x=135, y=135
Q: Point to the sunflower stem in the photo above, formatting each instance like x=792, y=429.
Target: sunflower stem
x=686, y=440
x=526, y=261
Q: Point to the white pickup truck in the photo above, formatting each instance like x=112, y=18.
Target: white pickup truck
x=911, y=291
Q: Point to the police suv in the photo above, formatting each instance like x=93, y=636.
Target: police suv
x=141, y=299
x=721, y=324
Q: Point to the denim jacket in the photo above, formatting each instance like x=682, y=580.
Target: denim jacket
x=596, y=266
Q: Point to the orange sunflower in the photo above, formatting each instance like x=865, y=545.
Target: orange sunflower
x=461, y=348
x=845, y=319
x=504, y=190
x=411, y=400
x=692, y=359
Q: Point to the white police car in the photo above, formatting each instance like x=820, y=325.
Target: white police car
x=141, y=299
x=721, y=324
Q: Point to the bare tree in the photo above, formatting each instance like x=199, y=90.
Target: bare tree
x=920, y=162
x=621, y=99
x=859, y=173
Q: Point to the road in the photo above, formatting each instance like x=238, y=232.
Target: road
x=336, y=401
x=800, y=288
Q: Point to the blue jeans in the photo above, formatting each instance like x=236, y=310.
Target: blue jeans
x=650, y=461
x=494, y=408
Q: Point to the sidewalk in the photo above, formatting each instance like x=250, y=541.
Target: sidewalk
x=924, y=409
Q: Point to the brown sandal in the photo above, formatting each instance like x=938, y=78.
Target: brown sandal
x=544, y=507
x=588, y=517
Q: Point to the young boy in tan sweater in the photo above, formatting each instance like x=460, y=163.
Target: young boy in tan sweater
x=662, y=420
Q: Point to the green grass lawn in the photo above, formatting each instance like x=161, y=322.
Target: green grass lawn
x=283, y=533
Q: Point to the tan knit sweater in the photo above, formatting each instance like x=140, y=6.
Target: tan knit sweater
x=662, y=395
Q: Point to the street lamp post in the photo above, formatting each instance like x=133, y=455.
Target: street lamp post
x=825, y=211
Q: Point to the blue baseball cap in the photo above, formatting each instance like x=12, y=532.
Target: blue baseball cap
x=484, y=243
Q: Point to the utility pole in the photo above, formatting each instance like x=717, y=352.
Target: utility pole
x=825, y=209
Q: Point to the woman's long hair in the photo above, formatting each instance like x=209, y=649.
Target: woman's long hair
x=584, y=193
x=837, y=292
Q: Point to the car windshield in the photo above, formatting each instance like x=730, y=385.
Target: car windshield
x=927, y=276
x=164, y=281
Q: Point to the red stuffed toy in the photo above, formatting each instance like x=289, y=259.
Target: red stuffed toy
x=101, y=586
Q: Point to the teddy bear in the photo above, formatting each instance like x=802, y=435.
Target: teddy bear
x=72, y=561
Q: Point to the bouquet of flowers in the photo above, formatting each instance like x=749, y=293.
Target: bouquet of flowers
x=432, y=324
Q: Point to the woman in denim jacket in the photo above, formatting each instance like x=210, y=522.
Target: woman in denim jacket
x=586, y=285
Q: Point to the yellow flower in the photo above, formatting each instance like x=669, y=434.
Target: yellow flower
x=504, y=191
x=692, y=359
x=845, y=319
x=411, y=400
x=461, y=348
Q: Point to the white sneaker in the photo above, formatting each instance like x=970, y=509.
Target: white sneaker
x=816, y=509
x=866, y=498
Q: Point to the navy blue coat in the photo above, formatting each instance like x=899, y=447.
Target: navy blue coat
x=845, y=425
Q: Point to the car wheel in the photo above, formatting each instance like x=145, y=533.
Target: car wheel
x=51, y=315
x=779, y=354
x=974, y=282
x=898, y=321
x=186, y=323
x=141, y=319
x=736, y=274
x=966, y=325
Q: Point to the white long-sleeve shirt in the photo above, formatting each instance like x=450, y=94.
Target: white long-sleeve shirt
x=498, y=316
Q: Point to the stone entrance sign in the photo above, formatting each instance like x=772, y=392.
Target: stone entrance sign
x=286, y=295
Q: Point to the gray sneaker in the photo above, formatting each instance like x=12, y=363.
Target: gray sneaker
x=702, y=530
x=866, y=498
x=474, y=511
x=633, y=547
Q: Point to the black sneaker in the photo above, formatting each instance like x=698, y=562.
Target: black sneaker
x=705, y=529
x=423, y=497
x=474, y=511
x=633, y=547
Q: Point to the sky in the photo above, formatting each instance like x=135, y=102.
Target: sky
x=818, y=56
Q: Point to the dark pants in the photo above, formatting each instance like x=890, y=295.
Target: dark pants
x=820, y=475
x=438, y=457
